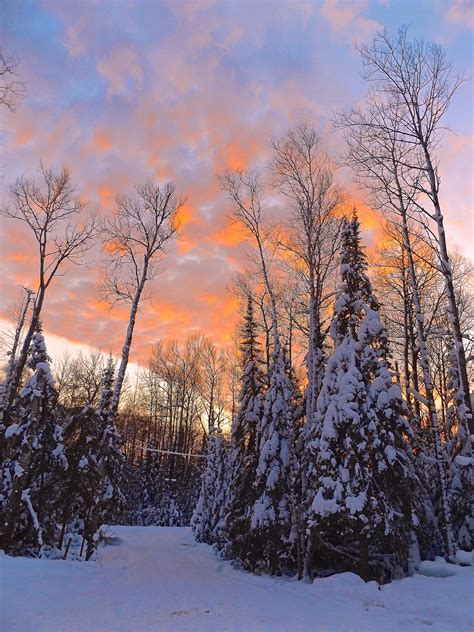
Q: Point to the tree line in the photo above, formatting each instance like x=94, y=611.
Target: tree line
x=365, y=464
x=347, y=397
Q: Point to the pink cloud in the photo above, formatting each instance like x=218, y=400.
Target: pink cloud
x=347, y=20
x=120, y=68
x=461, y=12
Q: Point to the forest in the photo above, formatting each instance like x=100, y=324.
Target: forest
x=334, y=433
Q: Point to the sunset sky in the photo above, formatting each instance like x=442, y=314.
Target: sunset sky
x=125, y=90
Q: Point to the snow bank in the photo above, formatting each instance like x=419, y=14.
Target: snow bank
x=160, y=579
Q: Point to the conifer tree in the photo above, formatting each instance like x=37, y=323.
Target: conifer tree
x=272, y=512
x=82, y=480
x=34, y=452
x=461, y=463
x=110, y=499
x=363, y=510
x=243, y=455
x=207, y=513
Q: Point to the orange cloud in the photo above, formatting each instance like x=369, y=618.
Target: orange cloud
x=101, y=141
x=106, y=195
x=231, y=235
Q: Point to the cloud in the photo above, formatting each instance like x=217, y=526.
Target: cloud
x=122, y=71
x=461, y=13
x=175, y=91
x=347, y=20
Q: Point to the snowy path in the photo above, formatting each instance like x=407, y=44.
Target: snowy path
x=159, y=579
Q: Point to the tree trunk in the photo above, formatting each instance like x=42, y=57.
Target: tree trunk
x=128, y=343
x=364, y=567
x=453, y=312
x=429, y=392
x=21, y=362
x=12, y=360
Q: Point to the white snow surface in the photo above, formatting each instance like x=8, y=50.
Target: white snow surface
x=159, y=579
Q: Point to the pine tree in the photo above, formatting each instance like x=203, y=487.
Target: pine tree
x=272, y=512
x=243, y=455
x=363, y=510
x=461, y=463
x=110, y=499
x=80, y=485
x=207, y=513
x=34, y=453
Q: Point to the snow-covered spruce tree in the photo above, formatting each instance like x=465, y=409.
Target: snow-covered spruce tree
x=79, y=485
x=243, y=455
x=461, y=464
x=34, y=454
x=110, y=499
x=208, y=511
x=272, y=513
x=364, y=509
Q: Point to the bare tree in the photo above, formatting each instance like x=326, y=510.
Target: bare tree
x=5, y=388
x=136, y=237
x=413, y=84
x=304, y=174
x=51, y=209
x=245, y=189
x=11, y=88
x=213, y=385
x=377, y=151
x=79, y=380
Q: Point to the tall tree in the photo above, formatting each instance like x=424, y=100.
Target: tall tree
x=303, y=173
x=243, y=451
x=413, y=84
x=362, y=511
x=51, y=209
x=5, y=388
x=379, y=155
x=34, y=451
x=136, y=238
x=272, y=517
x=208, y=511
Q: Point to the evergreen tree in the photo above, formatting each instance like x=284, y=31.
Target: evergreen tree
x=81, y=482
x=34, y=453
x=272, y=512
x=363, y=511
x=109, y=500
x=461, y=463
x=243, y=455
x=207, y=513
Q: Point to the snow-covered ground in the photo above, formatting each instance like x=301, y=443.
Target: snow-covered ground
x=160, y=579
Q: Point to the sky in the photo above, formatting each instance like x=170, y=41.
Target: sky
x=125, y=90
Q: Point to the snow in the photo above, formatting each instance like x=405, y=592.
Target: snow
x=465, y=558
x=356, y=504
x=13, y=429
x=463, y=461
x=158, y=578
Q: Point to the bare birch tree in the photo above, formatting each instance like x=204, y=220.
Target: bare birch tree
x=11, y=88
x=136, y=237
x=413, y=83
x=5, y=388
x=303, y=173
x=245, y=189
x=377, y=152
x=52, y=211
